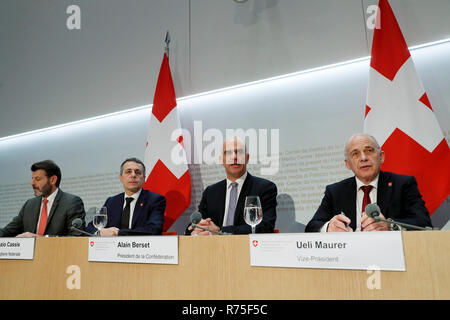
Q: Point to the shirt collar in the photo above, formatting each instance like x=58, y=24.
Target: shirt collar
x=134, y=195
x=373, y=183
x=52, y=197
x=240, y=181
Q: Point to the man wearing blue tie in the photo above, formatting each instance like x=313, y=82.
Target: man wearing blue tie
x=222, y=204
x=134, y=211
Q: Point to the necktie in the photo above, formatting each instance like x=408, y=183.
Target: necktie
x=43, y=220
x=232, y=204
x=366, y=199
x=125, y=220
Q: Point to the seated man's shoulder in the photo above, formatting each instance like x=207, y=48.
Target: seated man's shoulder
x=216, y=185
x=115, y=198
x=153, y=195
x=342, y=183
x=32, y=202
x=399, y=180
x=64, y=196
x=397, y=176
x=264, y=184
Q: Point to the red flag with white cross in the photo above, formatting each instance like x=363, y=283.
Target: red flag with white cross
x=165, y=157
x=400, y=116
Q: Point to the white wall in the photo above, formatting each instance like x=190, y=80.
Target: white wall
x=51, y=75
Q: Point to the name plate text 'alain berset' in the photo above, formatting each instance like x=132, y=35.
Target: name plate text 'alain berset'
x=17, y=248
x=381, y=250
x=151, y=249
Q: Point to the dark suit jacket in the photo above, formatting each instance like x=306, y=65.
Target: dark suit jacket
x=66, y=207
x=212, y=205
x=398, y=198
x=148, y=215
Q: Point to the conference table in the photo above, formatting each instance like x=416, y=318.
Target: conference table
x=218, y=267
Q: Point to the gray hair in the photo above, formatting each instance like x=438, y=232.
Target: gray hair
x=377, y=146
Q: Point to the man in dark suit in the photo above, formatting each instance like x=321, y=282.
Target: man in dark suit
x=343, y=205
x=222, y=204
x=51, y=212
x=135, y=211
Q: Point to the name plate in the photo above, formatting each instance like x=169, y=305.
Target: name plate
x=17, y=248
x=382, y=250
x=151, y=249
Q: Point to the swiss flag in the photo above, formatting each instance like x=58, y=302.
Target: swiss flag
x=166, y=174
x=399, y=115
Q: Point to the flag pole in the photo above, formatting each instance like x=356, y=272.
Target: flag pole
x=167, y=41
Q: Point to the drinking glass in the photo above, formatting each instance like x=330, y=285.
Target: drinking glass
x=252, y=211
x=100, y=218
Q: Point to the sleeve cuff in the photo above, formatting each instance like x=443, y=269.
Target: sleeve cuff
x=325, y=227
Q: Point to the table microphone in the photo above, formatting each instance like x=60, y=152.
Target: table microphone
x=77, y=223
x=196, y=217
x=373, y=211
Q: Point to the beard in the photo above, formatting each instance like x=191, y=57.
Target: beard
x=44, y=191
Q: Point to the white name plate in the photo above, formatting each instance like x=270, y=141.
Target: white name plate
x=149, y=249
x=17, y=248
x=381, y=250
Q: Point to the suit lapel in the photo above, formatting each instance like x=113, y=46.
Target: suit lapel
x=115, y=211
x=54, y=206
x=350, y=202
x=384, y=192
x=221, y=194
x=34, y=213
x=140, y=203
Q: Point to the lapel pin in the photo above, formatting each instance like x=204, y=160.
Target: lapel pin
x=141, y=204
x=390, y=184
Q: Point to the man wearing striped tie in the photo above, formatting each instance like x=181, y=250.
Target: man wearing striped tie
x=343, y=206
x=51, y=212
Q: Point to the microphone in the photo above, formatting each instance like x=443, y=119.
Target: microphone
x=373, y=211
x=195, y=218
x=77, y=223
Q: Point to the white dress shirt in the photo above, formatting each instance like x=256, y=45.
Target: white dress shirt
x=132, y=204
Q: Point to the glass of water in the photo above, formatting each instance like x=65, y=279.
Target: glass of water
x=252, y=211
x=100, y=218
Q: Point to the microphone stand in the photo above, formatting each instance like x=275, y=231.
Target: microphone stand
x=405, y=225
x=83, y=232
